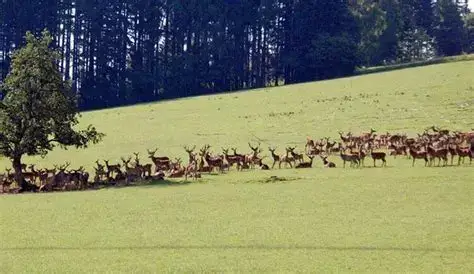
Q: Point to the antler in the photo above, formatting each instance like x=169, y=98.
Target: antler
x=152, y=152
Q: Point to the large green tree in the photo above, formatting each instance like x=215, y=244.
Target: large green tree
x=38, y=111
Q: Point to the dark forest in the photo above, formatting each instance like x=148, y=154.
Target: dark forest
x=130, y=51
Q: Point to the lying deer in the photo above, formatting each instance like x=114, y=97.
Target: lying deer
x=326, y=162
x=306, y=164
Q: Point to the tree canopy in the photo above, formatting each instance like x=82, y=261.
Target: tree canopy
x=39, y=111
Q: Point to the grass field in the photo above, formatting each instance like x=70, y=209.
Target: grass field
x=394, y=219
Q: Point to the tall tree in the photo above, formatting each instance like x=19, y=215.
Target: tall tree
x=38, y=111
x=449, y=28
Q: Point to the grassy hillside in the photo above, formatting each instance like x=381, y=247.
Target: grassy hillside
x=406, y=100
x=394, y=219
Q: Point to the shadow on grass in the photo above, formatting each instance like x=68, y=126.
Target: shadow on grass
x=272, y=179
x=248, y=247
x=163, y=183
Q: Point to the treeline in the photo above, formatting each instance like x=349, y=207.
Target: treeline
x=118, y=52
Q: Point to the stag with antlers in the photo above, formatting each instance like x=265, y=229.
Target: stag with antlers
x=231, y=159
x=161, y=163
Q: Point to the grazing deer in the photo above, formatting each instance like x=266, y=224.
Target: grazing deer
x=306, y=164
x=327, y=163
x=352, y=158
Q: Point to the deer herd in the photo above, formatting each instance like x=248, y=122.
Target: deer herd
x=430, y=145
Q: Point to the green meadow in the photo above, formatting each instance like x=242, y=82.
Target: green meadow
x=394, y=219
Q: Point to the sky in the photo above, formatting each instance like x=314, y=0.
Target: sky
x=471, y=4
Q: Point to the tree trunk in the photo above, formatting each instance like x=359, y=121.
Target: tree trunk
x=18, y=171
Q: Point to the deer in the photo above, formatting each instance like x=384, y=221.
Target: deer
x=296, y=156
x=131, y=173
x=327, y=163
x=366, y=135
x=329, y=145
x=441, y=154
x=191, y=155
x=212, y=161
x=352, y=158
x=361, y=154
x=276, y=158
x=418, y=155
x=231, y=159
x=241, y=156
x=463, y=152
x=112, y=168
x=306, y=164
x=192, y=169
x=160, y=162
x=145, y=169
x=286, y=159
x=177, y=170
x=378, y=156
x=253, y=158
x=345, y=139
x=7, y=179
x=99, y=174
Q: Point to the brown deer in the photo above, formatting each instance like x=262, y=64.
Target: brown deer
x=145, y=169
x=131, y=173
x=352, y=158
x=306, y=164
x=253, y=158
x=441, y=154
x=192, y=170
x=420, y=154
x=112, y=168
x=213, y=162
x=463, y=152
x=296, y=156
x=378, y=156
x=161, y=163
x=345, y=139
x=191, y=154
x=231, y=159
x=286, y=159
